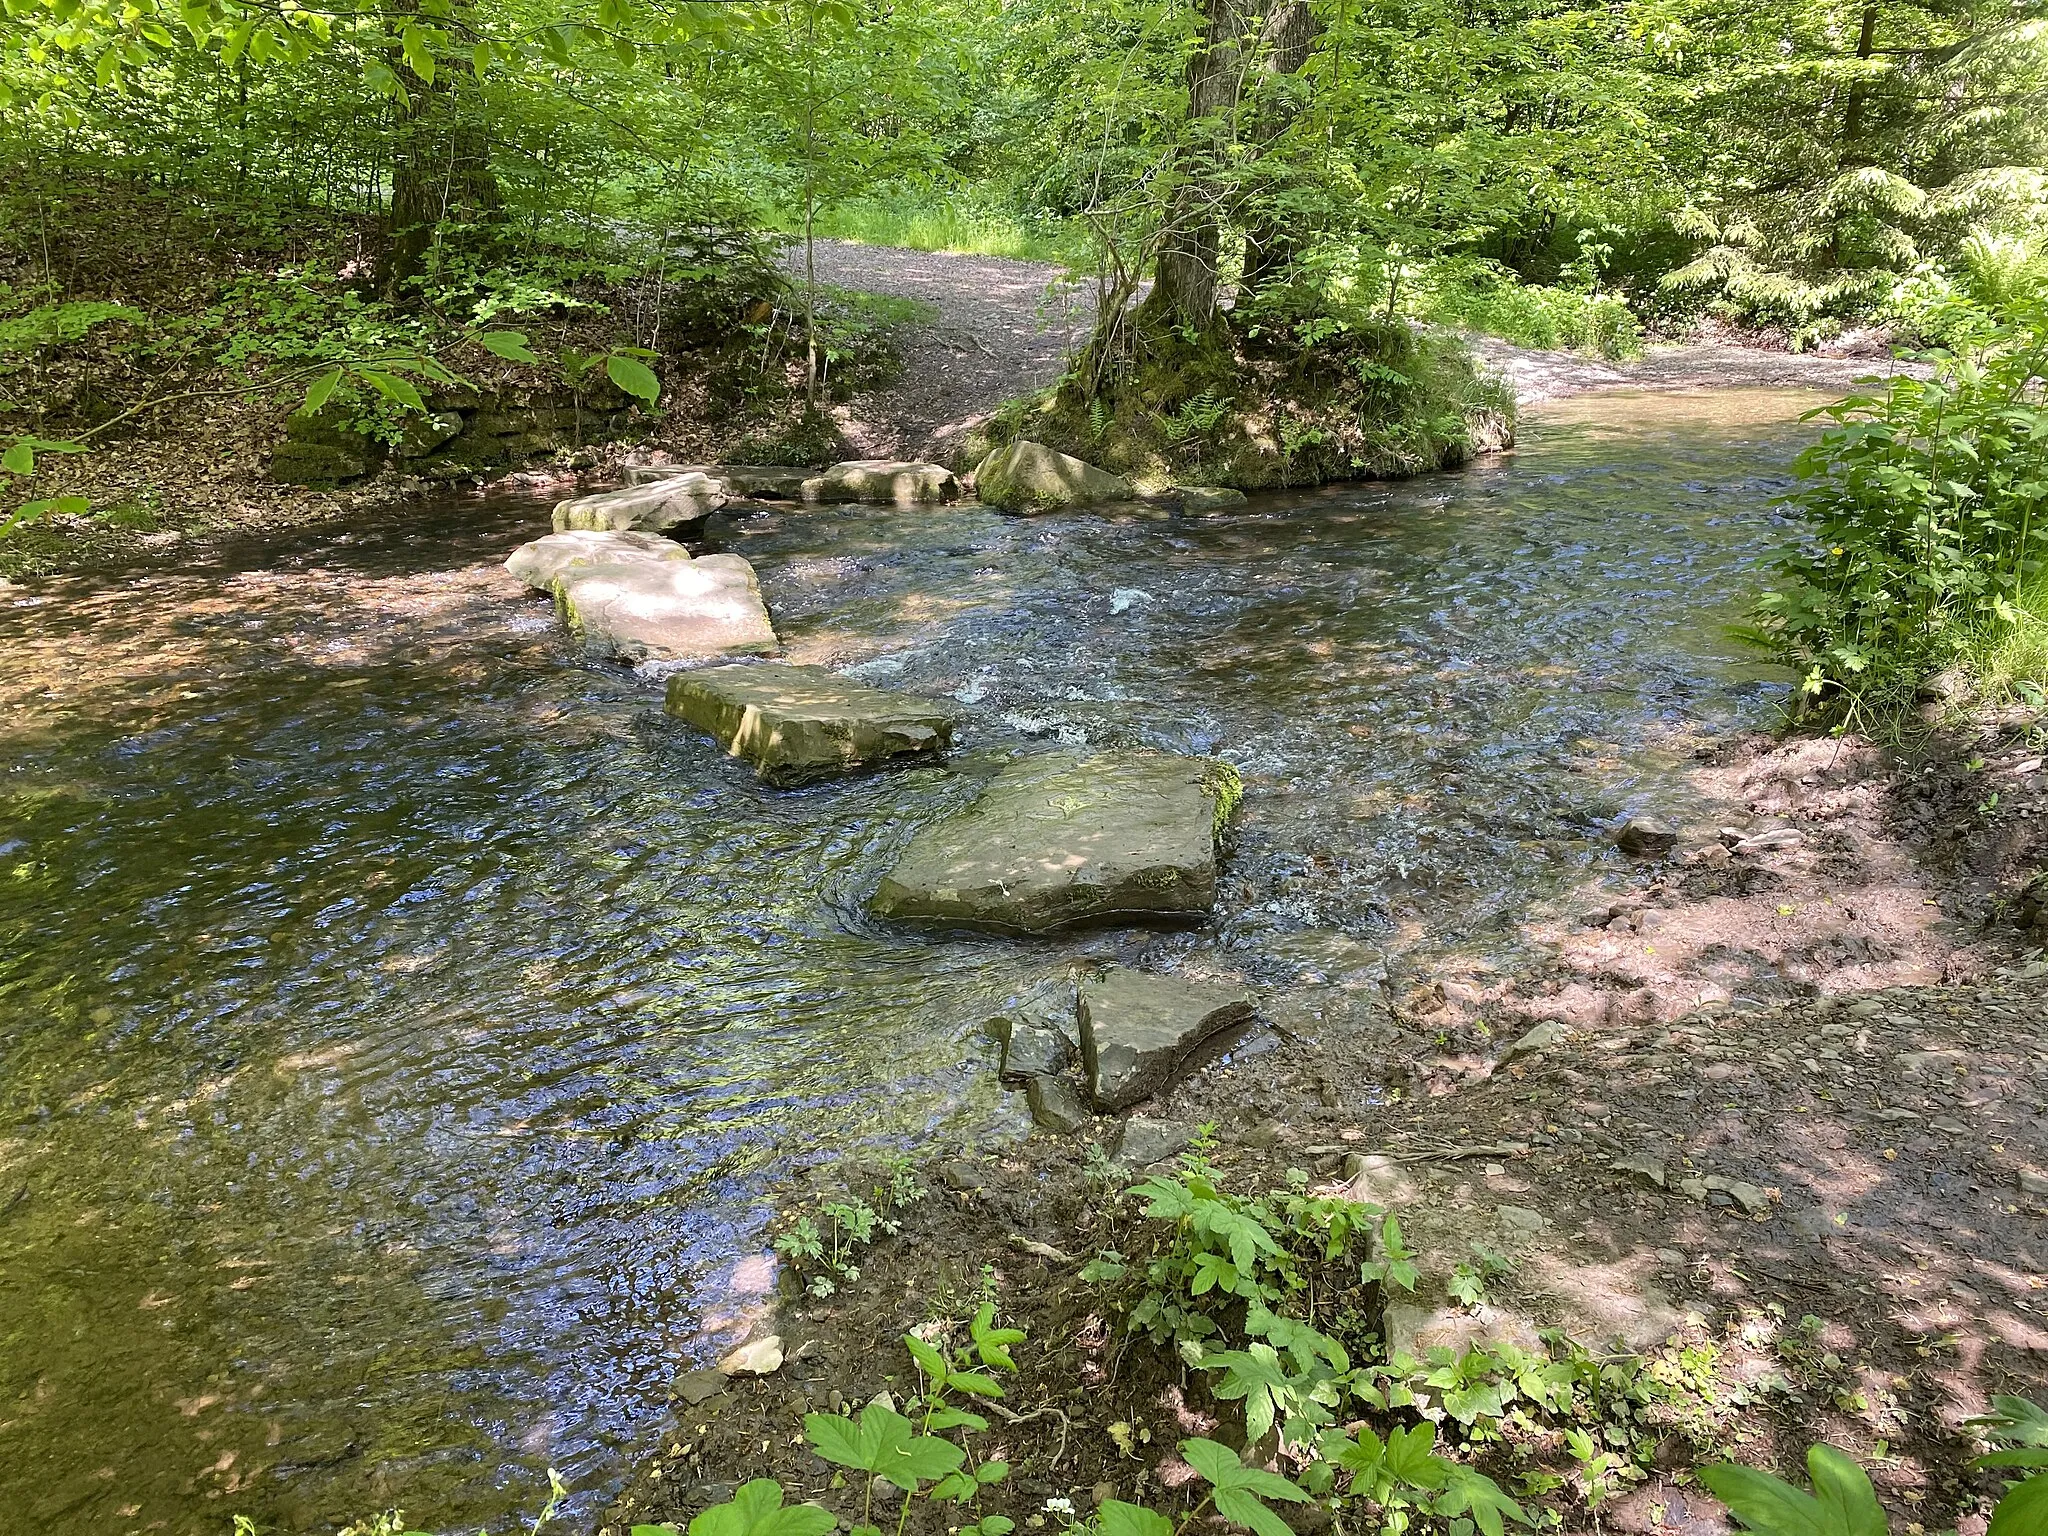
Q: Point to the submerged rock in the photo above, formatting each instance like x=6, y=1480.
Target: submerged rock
x=654, y=507
x=1140, y=1032
x=1067, y=840
x=666, y=610
x=1644, y=837
x=800, y=723
x=540, y=562
x=1198, y=500
x=1030, y=477
x=895, y=482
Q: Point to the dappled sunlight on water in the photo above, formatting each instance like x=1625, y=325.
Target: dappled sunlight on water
x=402, y=1021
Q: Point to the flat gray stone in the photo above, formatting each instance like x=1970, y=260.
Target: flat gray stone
x=654, y=507
x=795, y=724
x=1055, y=1106
x=887, y=482
x=771, y=482
x=1029, y=477
x=666, y=610
x=1140, y=1032
x=1145, y=1140
x=1029, y=1050
x=1065, y=840
x=540, y=562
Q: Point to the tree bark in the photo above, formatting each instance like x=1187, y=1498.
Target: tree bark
x=1184, y=274
x=440, y=172
x=1285, y=42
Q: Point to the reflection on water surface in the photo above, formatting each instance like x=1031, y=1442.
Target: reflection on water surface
x=400, y=1022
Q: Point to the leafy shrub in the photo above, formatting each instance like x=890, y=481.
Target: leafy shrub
x=1925, y=513
x=1488, y=299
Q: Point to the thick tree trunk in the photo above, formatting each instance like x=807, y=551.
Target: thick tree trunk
x=1184, y=275
x=1852, y=124
x=440, y=173
x=1285, y=42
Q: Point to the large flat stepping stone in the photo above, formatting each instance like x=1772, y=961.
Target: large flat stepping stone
x=540, y=562
x=769, y=482
x=1141, y=1033
x=889, y=482
x=795, y=723
x=1067, y=840
x=655, y=507
x=667, y=610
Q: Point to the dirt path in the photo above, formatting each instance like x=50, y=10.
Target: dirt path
x=1001, y=328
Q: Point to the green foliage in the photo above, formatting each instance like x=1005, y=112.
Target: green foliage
x=1843, y=1503
x=1240, y=1492
x=1924, y=511
x=824, y=1249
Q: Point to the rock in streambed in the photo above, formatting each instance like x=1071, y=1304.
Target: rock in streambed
x=1064, y=840
x=1030, y=477
x=1140, y=1033
x=655, y=507
x=540, y=562
x=666, y=610
x=881, y=482
x=795, y=724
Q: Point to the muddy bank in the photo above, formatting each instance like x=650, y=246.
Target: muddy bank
x=1754, y=1145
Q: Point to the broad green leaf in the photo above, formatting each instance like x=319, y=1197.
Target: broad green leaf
x=510, y=345
x=757, y=1510
x=1120, y=1519
x=20, y=458
x=1241, y=1508
x=2023, y=1511
x=318, y=391
x=392, y=387
x=634, y=377
x=929, y=1360
x=1766, y=1504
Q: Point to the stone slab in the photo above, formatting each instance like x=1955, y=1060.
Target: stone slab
x=1065, y=840
x=897, y=482
x=664, y=610
x=538, y=563
x=771, y=482
x=655, y=507
x=1140, y=1033
x=795, y=724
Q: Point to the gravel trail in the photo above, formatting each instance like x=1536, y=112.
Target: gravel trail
x=1001, y=328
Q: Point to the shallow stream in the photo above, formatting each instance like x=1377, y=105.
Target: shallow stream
x=401, y=1022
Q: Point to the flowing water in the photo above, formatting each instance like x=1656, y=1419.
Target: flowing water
x=401, y=1023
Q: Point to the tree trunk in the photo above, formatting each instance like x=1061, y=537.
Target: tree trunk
x=1852, y=122
x=440, y=171
x=1184, y=280
x=1285, y=42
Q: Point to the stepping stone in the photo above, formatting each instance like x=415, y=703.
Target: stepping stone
x=800, y=723
x=1066, y=840
x=667, y=610
x=1030, y=477
x=540, y=562
x=772, y=482
x=899, y=482
x=1140, y=1033
x=654, y=507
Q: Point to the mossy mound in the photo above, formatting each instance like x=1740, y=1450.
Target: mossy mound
x=1258, y=405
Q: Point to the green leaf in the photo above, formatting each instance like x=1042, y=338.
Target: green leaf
x=419, y=53
x=1241, y=1508
x=634, y=377
x=929, y=1360
x=391, y=387
x=2023, y=1511
x=757, y=1510
x=654, y=1530
x=318, y=391
x=1844, y=1492
x=1766, y=1504
x=20, y=458
x=510, y=345
x=1120, y=1519
x=2014, y=1420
